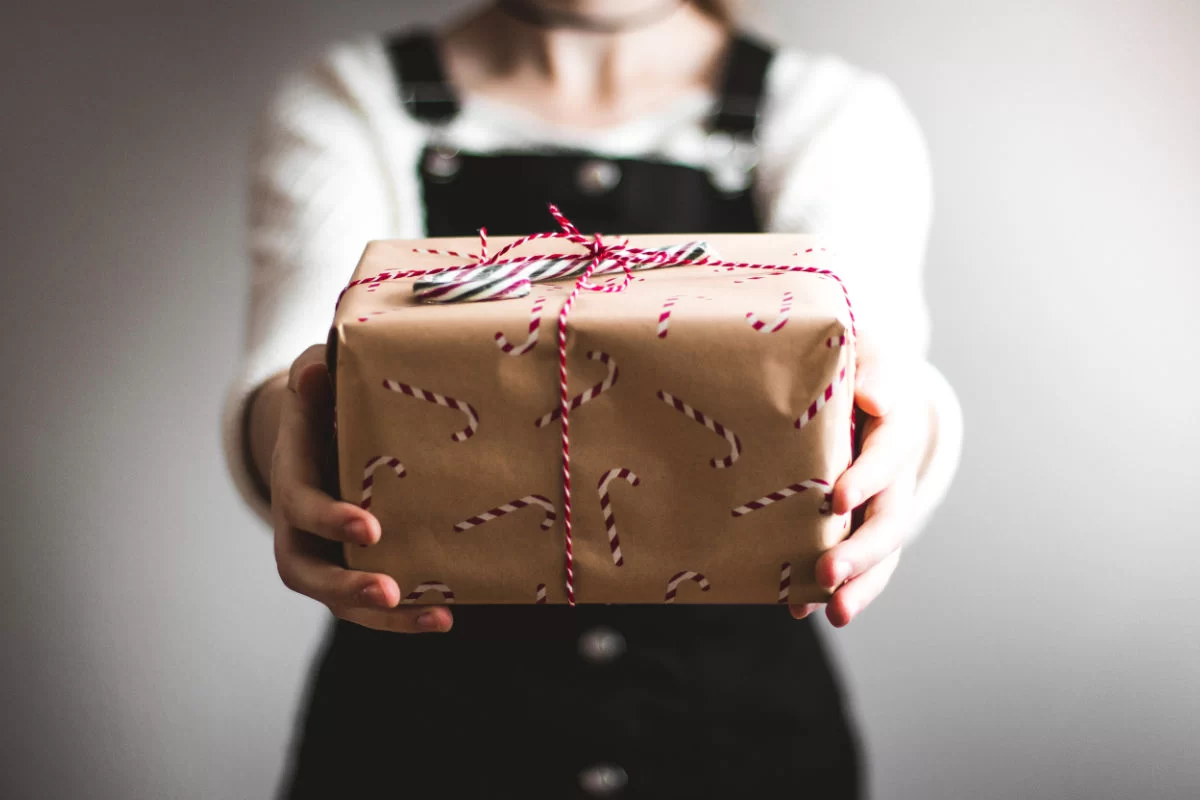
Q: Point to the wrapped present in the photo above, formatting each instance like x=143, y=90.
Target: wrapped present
x=646, y=420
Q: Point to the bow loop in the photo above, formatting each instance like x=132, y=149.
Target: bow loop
x=500, y=277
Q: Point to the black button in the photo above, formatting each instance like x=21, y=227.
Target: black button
x=601, y=645
x=603, y=780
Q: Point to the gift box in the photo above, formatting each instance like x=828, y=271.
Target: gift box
x=709, y=413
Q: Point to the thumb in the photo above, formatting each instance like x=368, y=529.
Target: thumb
x=309, y=379
x=314, y=387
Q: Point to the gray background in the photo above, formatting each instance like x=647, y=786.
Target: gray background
x=1040, y=641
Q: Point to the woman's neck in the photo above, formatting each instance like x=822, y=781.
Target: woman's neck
x=581, y=77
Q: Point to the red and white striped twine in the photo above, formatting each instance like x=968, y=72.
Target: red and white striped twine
x=680, y=577
x=788, y=491
x=508, y=508
x=735, y=444
x=425, y=588
x=618, y=256
x=540, y=595
x=785, y=581
x=781, y=320
x=441, y=400
x=588, y=394
x=565, y=404
x=610, y=523
x=535, y=322
x=373, y=464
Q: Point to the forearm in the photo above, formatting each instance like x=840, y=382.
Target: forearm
x=941, y=456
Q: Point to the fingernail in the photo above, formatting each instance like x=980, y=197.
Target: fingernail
x=841, y=571
x=358, y=530
x=805, y=611
x=428, y=621
x=373, y=593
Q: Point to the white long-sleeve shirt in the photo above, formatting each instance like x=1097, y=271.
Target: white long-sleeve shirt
x=335, y=165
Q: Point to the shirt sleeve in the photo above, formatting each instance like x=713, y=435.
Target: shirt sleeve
x=318, y=194
x=844, y=158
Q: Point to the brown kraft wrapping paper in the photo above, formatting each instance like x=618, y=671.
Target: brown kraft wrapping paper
x=430, y=466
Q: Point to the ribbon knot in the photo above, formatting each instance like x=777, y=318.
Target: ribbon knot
x=498, y=277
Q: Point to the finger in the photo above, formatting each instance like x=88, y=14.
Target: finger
x=890, y=445
x=305, y=567
x=850, y=600
x=311, y=356
x=295, y=477
x=314, y=390
x=422, y=619
x=803, y=610
x=887, y=527
x=311, y=510
x=306, y=421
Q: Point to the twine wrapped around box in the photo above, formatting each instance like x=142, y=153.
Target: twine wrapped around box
x=506, y=275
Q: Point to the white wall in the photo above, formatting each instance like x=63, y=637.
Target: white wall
x=1039, y=642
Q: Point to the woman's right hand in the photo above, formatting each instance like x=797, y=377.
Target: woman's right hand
x=310, y=526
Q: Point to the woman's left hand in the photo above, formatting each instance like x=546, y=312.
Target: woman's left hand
x=884, y=477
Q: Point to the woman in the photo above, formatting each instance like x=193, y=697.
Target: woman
x=636, y=116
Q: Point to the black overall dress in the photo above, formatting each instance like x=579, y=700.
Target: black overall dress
x=593, y=701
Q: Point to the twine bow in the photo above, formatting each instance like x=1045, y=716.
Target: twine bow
x=496, y=277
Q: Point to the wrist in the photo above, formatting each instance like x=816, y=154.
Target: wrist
x=260, y=428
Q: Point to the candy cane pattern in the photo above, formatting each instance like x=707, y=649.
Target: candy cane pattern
x=824, y=397
x=369, y=475
x=441, y=400
x=535, y=322
x=589, y=394
x=680, y=577
x=774, y=497
x=735, y=444
x=431, y=586
x=781, y=320
x=664, y=316
x=490, y=278
x=610, y=524
x=540, y=595
x=826, y=394
x=785, y=581
x=756, y=277
x=508, y=508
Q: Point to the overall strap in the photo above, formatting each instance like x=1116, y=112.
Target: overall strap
x=417, y=66
x=742, y=87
